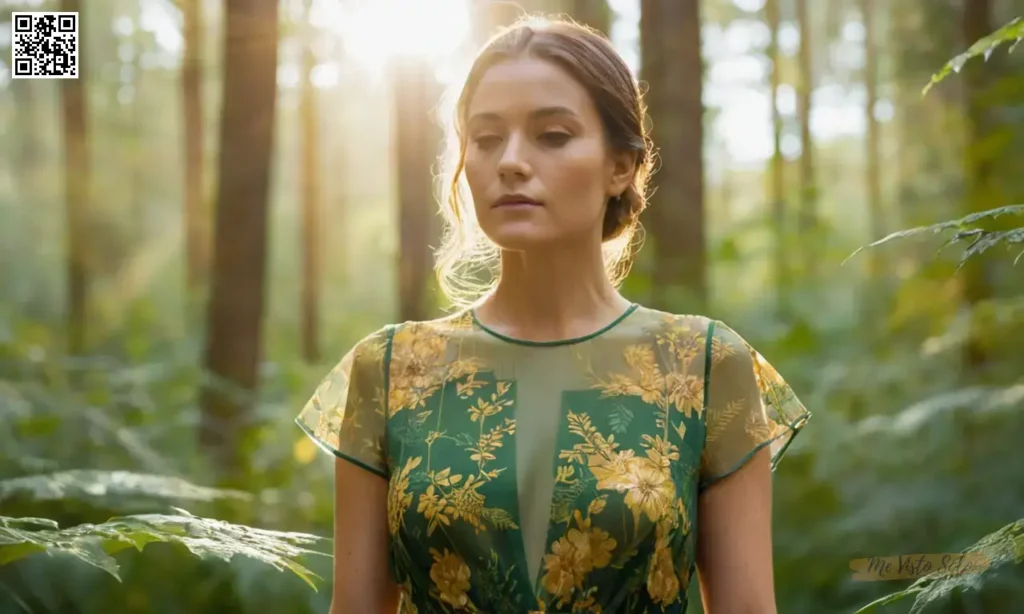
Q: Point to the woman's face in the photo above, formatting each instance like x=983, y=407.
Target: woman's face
x=537, y=163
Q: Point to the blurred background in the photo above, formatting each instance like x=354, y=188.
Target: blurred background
x=236, y=191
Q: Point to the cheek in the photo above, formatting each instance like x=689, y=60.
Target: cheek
x=579, y=182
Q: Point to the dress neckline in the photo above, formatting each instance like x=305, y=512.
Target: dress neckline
x=557, y=342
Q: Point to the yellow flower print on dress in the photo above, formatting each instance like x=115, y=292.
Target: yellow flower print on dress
x=662, y=581
x=420, y=365
x=451, y=576
x=575, y=555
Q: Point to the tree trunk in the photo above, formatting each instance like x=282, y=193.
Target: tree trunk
x=311, y=201
x=196, y=235
x=873, y=153
x=490, y=15
x=417, y=139
x=77, y=187
x=594, y=13
x=137, y=195
x=978, y=170
x=235, y=307
x=29, y=159
x=777, y=179
x=808, y=182
x=671, y=63
x=903, y=98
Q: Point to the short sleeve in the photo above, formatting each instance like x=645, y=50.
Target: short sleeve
x=748, y=406
x=347, y=413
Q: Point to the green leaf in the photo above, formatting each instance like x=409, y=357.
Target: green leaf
x=1003, y=549
x=983, y=240
x=1013, y=31
x=203, y=537
x=35, y=523
x=962, y=224
x=87, y=484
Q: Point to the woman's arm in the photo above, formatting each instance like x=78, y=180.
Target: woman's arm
x=734, y=541
x=362, y=584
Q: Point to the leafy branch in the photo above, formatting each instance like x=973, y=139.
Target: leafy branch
x=89, y=484
x=1003, y=550
x=203, y=537
x=979, y=239
x=1012, y=33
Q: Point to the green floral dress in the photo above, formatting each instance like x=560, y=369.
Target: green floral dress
x=550, y=477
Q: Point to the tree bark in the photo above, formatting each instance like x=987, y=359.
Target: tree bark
x=235, y=308
x=777, y=178
x=490, y=15
x=311, y=202
x=594, y=13
x=808, y=181
x=137, y=128
x=671, y=63
x=77, y=188
x=196, y=227
x=416, y=143
x=873, y=153
x=979, y=171
x=29, y=159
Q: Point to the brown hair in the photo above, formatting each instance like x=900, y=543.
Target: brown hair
x=590, y=58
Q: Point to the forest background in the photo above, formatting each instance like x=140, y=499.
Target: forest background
x=234, y=192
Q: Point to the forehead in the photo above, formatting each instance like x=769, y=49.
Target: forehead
x=519, y=86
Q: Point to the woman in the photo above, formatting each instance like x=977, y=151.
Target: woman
x=551, y=447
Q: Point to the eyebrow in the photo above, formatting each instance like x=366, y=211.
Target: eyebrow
x=541, y=113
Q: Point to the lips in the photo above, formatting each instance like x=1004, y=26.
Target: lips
x=516, y=200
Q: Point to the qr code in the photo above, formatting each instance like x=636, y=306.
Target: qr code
x=45, y=45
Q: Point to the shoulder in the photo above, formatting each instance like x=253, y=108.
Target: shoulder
x=721, y=340
x=435, y=331
x=664, y=321
x=699, y=325
x=450, y=324
x=382, y=339
x=367, y=353
x=371, y=347
x=411, y=340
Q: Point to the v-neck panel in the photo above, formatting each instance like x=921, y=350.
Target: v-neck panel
x=543, y=429
x=534, y=370
x=537, y=573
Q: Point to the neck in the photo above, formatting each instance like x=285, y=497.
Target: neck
x=552, y=294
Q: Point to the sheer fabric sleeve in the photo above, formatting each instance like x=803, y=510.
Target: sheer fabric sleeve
x=347, y=414
x=748, y=406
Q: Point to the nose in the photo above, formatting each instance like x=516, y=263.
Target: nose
x=514, y=162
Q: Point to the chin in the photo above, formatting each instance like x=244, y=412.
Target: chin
x=521, y=236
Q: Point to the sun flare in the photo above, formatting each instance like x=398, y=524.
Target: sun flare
x=374, y=31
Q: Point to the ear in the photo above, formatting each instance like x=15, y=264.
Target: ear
x=621, y=168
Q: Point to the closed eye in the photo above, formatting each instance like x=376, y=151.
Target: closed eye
x=554, y=138
x=486, y=141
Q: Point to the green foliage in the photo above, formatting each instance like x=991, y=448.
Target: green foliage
x=1012, y=33
x=113, y=488
x=1004, y=551
x=910, y=454
x=1002, y=580
x=979, y=239
x=204, y=537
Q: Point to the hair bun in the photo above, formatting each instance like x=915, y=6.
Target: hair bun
x=622, y=213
